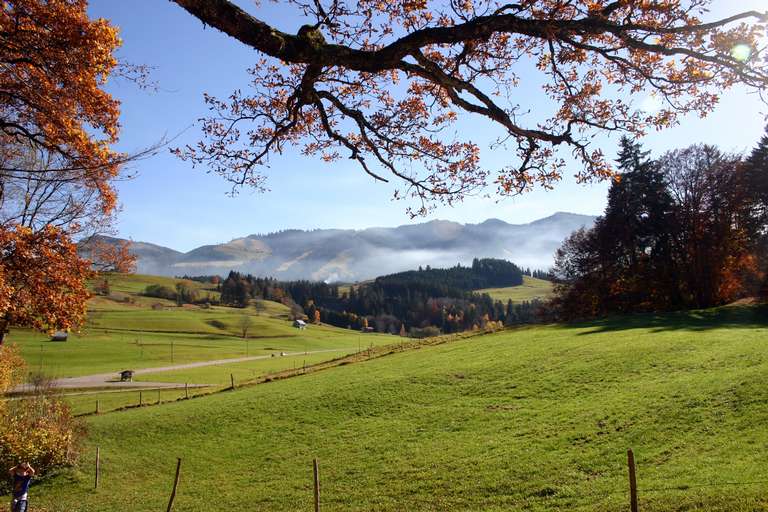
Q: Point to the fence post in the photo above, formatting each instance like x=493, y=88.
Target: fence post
x=158, y=396
x=97, y=407
x=175, y=485
x=186, y=390
x=232, y=380
x=98, y=464
x=632, y=481
x=317, y=485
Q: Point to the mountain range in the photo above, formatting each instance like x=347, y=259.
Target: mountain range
x=355, y=255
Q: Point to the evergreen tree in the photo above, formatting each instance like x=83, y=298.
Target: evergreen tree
x=635, y=236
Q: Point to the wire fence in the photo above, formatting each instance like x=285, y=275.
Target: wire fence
x=632, y=492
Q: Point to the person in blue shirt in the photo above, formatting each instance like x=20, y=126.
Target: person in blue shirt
x=22, y=476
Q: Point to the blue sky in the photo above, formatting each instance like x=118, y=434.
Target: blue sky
x=171, y=204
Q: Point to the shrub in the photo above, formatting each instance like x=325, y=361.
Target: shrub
x=39, y=429
x=160, y=292
x=217, y=324
x=425, y=332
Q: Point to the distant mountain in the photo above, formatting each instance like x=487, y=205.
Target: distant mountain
x=354, y=255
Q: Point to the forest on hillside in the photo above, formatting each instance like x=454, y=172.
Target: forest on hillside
x=420, y=302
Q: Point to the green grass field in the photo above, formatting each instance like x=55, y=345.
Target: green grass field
x=532, y=288
x=531, y=419
x=131, y=335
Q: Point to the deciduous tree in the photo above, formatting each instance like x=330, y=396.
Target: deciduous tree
x=42, y=280
x=684, y=231
x=384, y=83
x=245, y=324
x=57, y=165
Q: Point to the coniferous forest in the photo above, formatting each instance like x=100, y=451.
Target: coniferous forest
x=419, y=302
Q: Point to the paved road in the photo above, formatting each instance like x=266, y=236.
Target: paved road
x=107, y=380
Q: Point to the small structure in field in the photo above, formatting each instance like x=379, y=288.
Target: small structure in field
x=126, y=376
x=300, y=324
x=60, y=336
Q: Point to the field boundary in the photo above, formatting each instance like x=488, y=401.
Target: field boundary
x=357, y=357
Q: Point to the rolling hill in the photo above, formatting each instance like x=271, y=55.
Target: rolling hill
x=126, y=330
x=532, y=288
x=529, y=419
x=355, y=255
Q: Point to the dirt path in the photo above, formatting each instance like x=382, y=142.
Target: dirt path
x=107, y=380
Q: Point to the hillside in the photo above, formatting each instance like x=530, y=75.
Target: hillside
x=529, y=419
x=356, y=255
x=532, y=288
x=129, y=331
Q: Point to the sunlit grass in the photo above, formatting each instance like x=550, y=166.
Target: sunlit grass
x=529, y=419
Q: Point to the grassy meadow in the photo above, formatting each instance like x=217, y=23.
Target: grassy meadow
x=131, y=335
x=533, y=419
x=124, y=331
x=532, y=288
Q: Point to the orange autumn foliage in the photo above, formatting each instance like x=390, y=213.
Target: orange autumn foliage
x=112, y=256
x=56, y=62
x=385, y=83
x=42, y=280
x=57, y=125
x=40, y=428
x=11, y=370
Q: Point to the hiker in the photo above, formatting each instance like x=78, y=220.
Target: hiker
x=22, y=475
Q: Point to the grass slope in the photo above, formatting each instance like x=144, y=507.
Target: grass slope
x=532, y=288
x=530, y=419
x=128, y=335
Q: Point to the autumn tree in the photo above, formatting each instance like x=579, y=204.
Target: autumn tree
x=40, y=429
x=55, y=63
x=716, y=234
x=57, y=168
x=42, y=280
x=684, y=231
x=385, y=84
x=259, y=306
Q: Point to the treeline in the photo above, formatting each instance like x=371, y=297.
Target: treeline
x=442, y=315
x=212, y=279
x=238, y=289
x=405, y=302
x=538, y=274
x=687, y=230
x=441, y=298
x=484, y=273
x=181, y=294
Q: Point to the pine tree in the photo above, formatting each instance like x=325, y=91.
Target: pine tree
x=635, y=231
x=756, y=177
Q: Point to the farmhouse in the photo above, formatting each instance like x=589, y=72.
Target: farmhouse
x=300, y=324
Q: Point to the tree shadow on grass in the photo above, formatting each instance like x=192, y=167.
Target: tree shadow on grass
x=752, y=316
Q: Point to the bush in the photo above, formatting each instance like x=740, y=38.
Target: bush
x=160, y=292
x=217, y=324
x=39, y=429
x=425, y=332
